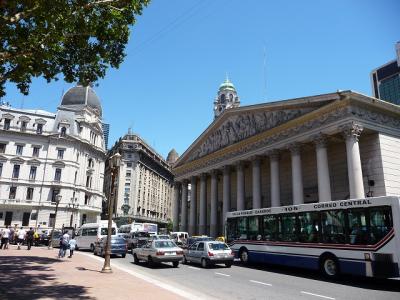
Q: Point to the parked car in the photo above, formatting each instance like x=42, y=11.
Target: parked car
x=194, y=239
x=209, y=253
x=118, y=246
x=158, y=251
x=137, y=239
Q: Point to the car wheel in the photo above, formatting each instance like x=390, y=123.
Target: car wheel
x=244, y=256
x=228, y=265
x=204, y=263
x=135, y=259
x=175, y=264
x=184, y=260
x=150, y=261
x=329, y=266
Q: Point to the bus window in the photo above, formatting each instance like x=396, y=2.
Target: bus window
x=380, y=223
x=309, y=228
x=288, y=228
x=358, y=232
x=270, y=227
x=242, y=229
x=254, y=229
x=231, y=226
x=333, y=226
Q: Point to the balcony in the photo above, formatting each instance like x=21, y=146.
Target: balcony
x=18, y=202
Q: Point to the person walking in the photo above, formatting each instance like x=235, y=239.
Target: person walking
x=11, y=239
x=21, y=237
x=5, y=235
x=29, y=238
x=64, y=241
x=72, y=245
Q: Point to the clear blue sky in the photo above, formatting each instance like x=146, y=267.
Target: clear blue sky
x=180, y=51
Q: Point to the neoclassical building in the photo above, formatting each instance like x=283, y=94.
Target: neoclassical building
x=44, y=154
x=313, y=149
x=144, y=184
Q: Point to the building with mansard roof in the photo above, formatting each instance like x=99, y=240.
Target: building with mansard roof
x=44, y=154
x=312, y=149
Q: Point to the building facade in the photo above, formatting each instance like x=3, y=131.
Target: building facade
x=106, y=133
x=45, y=154
x=144, y=184
x=386, y=80
x=313, y=149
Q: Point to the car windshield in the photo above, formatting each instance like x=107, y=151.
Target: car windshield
x=218, y=246
x=164, y=244
x=116, y=240
x=104, y=231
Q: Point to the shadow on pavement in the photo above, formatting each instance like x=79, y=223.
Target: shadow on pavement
x=379, y=284
x=30, y=277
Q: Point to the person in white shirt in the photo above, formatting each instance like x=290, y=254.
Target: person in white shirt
x=5, y=236
x=63, y=245
x=21, y=237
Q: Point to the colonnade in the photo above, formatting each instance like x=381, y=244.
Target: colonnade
x=354, y=170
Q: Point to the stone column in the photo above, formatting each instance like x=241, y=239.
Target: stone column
x=214, y=204
x=351, y=132
x=176, y=206
x=226, y=194
x=203, y=204
x=256, y=162
x=297, y=176
x=184, y=205
x=324, y=182
x=193, y=206
x=275, y=183
x=240, y=201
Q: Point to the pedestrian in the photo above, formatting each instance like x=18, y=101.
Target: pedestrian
x=5, y=237
x=64, y=241
x=11, y=239
x=72, y=245
x=21, y=237
x=29, y=238
x=36, y=237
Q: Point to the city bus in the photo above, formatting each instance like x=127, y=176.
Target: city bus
x=359, y=236
x=135, y=226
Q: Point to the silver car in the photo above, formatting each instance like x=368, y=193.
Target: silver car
x=209, y=253
x=158, y=251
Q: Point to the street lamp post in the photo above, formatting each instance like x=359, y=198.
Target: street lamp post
x=58, y=199
x=115, y=162
x=72, y=205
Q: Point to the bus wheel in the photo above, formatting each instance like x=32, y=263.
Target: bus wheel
x=329, y=266
x=244, y=256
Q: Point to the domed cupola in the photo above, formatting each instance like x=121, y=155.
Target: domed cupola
x=227, y=98
x=172, y=156
x=81, y=96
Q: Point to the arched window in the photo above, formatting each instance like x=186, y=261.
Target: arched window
x=63, y=131
x=223, y=98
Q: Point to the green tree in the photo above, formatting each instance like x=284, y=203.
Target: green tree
x=79, y=39
x=170, y=225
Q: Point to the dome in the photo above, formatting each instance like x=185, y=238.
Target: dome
x=172, y=156
x=227, y=85
x=82, y=95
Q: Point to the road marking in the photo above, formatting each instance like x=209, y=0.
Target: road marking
x=193, y=268
x=316, y=295
x=259, y=282
x=222, y=274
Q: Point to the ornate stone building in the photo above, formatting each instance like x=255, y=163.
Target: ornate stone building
x=312, y=149
x=144, y=184
x=45, y=154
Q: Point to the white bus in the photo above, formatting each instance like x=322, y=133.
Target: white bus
x=359, y=237
x=134, y=226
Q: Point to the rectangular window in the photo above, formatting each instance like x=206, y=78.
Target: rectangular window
x=333, y=226
x=25, y=218
x=15, y=173
x=3, y=148
x=54, y=194
x=52, y=218
x=129, y=165
x=29, y=193
x=1, y=168
x=20, y=149
x=60, y=153
x=381, y=223
x=35, y=151
x=309, y=227
x=270, y=224
x=39, y=128
x=57, y=175
x=13, y=192
x=23, y=126
x=254, y=229
x=358, y=230
x=287, y=228
x=32, y=173
x=7, y=123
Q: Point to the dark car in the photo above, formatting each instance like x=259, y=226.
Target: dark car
x=137, y=239
x=118, y=246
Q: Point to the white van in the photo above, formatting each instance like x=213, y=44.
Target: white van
x=180, y=237
x=89, y=233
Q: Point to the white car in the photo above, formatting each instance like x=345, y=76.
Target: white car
x=158, y=251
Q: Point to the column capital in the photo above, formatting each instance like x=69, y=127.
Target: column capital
x=320, y=140
x=273, y=154
x=185, y=181
x=203, y=176
x=227, y=168
x=255, y=158
x=294, y=148
x=214, y=172
x=351, y=130
x=239, y=164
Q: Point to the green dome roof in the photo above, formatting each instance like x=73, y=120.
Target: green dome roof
x=227, y=85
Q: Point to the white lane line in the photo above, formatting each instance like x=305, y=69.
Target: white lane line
x=222, y=274
x=259, y=282
x=193, y=268
x=316, y=295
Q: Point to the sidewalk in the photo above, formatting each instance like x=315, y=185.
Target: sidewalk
x=39, y=274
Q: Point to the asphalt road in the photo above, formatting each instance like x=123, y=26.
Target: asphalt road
x=263, y=282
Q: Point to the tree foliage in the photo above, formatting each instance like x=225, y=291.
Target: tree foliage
x=77, y=38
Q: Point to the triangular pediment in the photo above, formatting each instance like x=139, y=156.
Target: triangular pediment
x=238, y=124
x=59, y=164
x=34, y=162
x=17, y=161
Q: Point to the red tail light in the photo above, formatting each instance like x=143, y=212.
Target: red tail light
x=210, y=253
x=160, y=253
